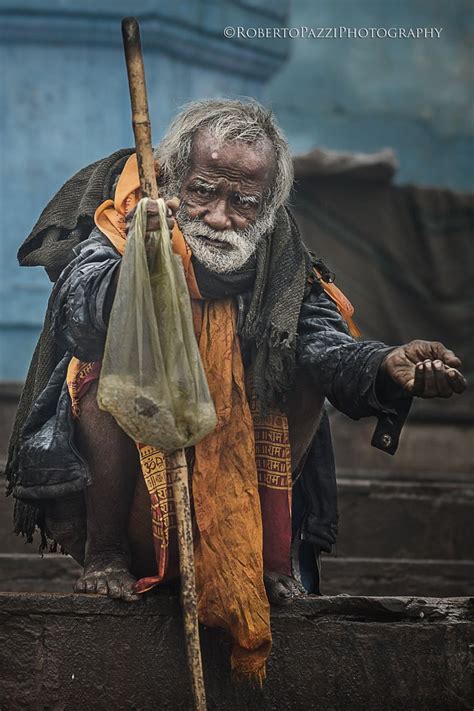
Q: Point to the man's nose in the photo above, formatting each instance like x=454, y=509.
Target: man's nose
x=216, y=216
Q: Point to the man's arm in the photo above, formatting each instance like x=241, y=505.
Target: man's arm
x=345, y=369
x=82, y=298
x=362, y=378
x=83, y=295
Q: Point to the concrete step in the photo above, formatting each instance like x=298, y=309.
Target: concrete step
x=406, y=475
x=378, y=518
x=385, y=576
x=338, y=653
x=51, y=573
x=399, y=519
x=426, y=450
x=9, y=542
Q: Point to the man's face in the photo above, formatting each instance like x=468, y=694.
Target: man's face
x=223, y=213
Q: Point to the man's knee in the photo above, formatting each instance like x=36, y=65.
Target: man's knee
x=99, y=437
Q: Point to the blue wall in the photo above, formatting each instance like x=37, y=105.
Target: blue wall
x=413, y=95
x=64, y=103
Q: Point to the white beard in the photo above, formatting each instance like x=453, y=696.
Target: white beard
x=243, y=243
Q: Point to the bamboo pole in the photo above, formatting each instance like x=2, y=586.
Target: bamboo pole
x=139, y=101
x=179, y=476
x=176, y=462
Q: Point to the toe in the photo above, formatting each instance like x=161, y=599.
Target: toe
x=128, y=592
x=296, y=588
x=292, y=586
x=79, y=586
x=283, y=593
x=102, y=587
x=129, y=595
x=91, y=586
x=115, y=589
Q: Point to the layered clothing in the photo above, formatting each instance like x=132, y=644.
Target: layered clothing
x=275, y=342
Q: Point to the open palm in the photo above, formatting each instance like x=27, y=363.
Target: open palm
x=426, y=369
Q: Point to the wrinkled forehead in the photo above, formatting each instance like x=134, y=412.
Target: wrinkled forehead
x=252, y=161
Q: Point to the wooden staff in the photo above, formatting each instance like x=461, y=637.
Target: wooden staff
x=176, y=462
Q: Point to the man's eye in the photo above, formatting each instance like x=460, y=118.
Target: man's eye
x=240, y=201
x=201, y=190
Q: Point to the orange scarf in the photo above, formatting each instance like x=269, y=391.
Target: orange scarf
x=229, y=547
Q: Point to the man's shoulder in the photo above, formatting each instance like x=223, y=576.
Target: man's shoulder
x=314, y=291
x=320, y=312
x=97, y=245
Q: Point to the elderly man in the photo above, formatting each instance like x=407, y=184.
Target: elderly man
x=226, y=171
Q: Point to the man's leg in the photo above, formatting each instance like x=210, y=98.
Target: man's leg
x=113, y=462
x=65, y=520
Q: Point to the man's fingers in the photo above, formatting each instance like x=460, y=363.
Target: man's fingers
x=418, y=383
x=452, y=360
x=433, y=379
x=442, y=379
x=429, y=387
x=128, y=218
x=152, y=223
x=173, y=205
x=152, y=207
x=456, y=380
x=440, y=352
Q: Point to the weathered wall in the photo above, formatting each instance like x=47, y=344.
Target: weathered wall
x=414, y=95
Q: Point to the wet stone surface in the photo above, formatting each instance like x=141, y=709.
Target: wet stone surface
x=75, y=651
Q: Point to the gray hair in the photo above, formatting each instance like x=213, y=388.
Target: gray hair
x=227, y=120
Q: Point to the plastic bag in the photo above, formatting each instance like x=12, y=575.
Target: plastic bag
x=152, y=379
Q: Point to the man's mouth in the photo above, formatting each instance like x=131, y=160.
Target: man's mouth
x=218, y=244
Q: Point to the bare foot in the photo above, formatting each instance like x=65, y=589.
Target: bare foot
x=281, y=589
x=106, y=574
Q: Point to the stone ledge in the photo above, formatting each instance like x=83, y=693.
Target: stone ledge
x=357, y=653
x=344, y=607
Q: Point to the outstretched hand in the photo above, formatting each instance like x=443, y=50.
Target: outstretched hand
x=425, y=369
